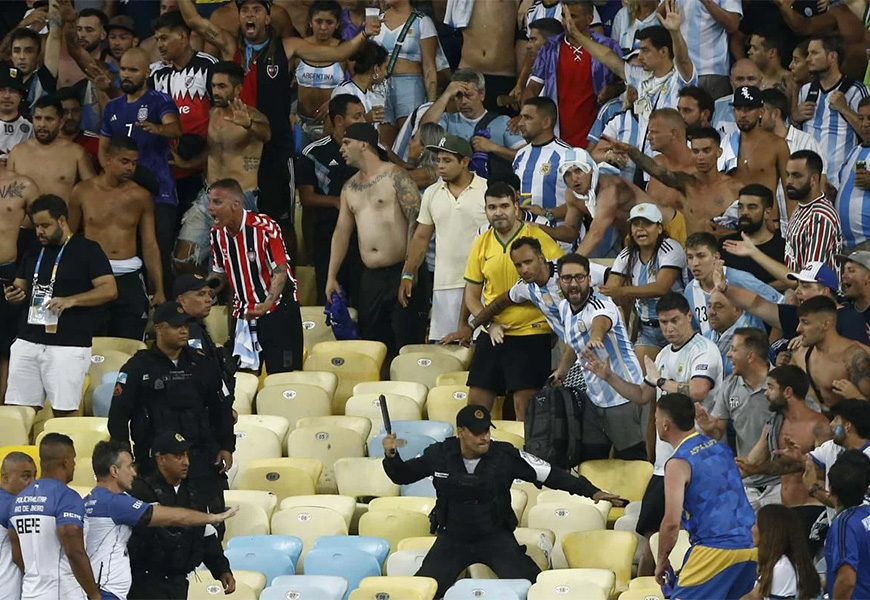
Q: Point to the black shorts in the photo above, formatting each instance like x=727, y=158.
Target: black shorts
x=382, y=318
x=521, y=362
x=127, y=315
x=10, y=314
x=652, y=510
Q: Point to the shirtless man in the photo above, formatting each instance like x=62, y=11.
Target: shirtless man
x=236, y=133
x=227, y=18
x=382, y=202
x=666, y=134
x=706, y=193
x=765, y=49
x=113, y=210
x=837, y=367
x=55, y=163
x=488, y=46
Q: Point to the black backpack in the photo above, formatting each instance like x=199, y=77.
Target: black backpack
x=554, y=426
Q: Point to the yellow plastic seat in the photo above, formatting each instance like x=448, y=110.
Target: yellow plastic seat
x=644, y=583
x=27, y=414
x=293, y=402
x=461, y=353
x=519, y=498
x=503, y=436
x=586, y=590
x=13, y=429
x=396, y=588
x=532, y=493
x=423, y=542
x=252, y=442
x=325, y=380
x=308, y=523
x=626, y=478
x=516, y=428
x=420, y=504
x=265, y=500
x=209, y=589
x=602, y=549
x=101, y=363
x=394, y=525
x=416, y=391
x=30, y=450
x=84, y=473
x=401, y=408
x=444, y=401
x=250, y=520
x=282, y=476
x=277, y=425
x=217, y=324
x=575, y=579
x=252, y=579
x=604, y=507
x=100, y=345
x=361, y=425
x=642, y=594
x=562, y=518
x=350, y=367
x=423, y=367
x=84, y=431
x=678, y=554
x=343, y=505
x=314, y=327
x=377, y=351
x=363, y=477
x=247, y=385
x=452, y=378
x=327, y=444
x=81, y=490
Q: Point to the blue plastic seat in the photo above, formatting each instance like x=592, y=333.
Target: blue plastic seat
x=353, y=565
x=270, y=563
x=109, y=377
x=103, y=398
x=414, y=444
x=424, y=487
x=306, y=587
x=286, y=544
x=439, y=430
x=503, y=589
x=377, y=547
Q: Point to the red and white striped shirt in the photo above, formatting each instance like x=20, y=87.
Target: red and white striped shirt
x=248, y=259
x=814, y=234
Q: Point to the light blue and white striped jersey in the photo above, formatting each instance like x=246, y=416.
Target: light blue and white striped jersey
x=622, y=32
x=706, y=39
x=655, y=93
x=828, y=127
x=723, y=340
x=538, y=10
x=625, y=128
x=723, y=115
x=610, y=109
x=853, y=202
x=669, y=256
x=617, y=346
x=699, y=299
x=538, y=170
x=409, y=129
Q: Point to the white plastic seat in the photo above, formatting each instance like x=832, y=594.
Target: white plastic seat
x=361, y=425
x=416, y=391
x=326, y=444
x=293, y=402
x=563, y=518
x=401, y=408
x=325, y=380
x=343, y=505
x=308, y=523
x=277, y=425
x=306, y=587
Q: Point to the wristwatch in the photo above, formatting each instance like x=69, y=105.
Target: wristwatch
x=550, y=216
x=660, y=382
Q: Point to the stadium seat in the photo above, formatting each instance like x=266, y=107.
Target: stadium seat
x=629, y=523
x=361, y=425
x=584, y=589
x=101, y=362
x=539, y=544
x=293, y=402
x=461, y=353
x=519, y=498
x=626, y=478
x=282, y=476
x=394, y=525
x=377, y=351
x=423, y=367
x=401, y=408
x=30, y=450
x=277, y=425
x=516, y=428
x=614, y=550
x=352, y=564
x=285, y=544
x=306, y=587
x=423, y=542
x=250, y=520
x=267, y=561
x=502, y=589
x=452, y=378
x=424, y=487
x=84, y=474
x=644, y=583
x=209, y=589
x=247, y=385
x=101, y=399
x=562, y=518
x=84, y=431
x=252, y=579
x=265, y=500
x=603, y=506
x=363, y=477
x=325, y=380
x=633, y=508
x=532, y=493
x=405, y=562
x=642, y=594
x=351, y=368
x=308, y=523
x=409, y=445
x=566, y=581
x=343, y=505
x=413, y=390
x=420, y=504
x=81, y=490
x=314, y=327
x=217, y=324
x=252, y=442
x=678, y=554
x=444, y=401
x=13, y=430
x=327, y=444
x=377, y=547
x=100, y=345
x=397, y=588
x=503, y=436
x=438, y=430
x=27, y=414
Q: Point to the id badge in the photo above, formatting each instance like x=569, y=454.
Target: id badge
x=39, y=313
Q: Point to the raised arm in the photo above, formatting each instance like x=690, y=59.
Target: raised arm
x=223, y=40
x=250, y=119
x=858, y=368
x=172, y=516
x=730, y=21
x=672, y=20
x=294, y=46
x=822, y=23
x=600, y=52
x=673, y=179
x=434, y=113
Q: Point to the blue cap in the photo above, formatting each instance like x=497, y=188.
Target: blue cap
x=817, y=272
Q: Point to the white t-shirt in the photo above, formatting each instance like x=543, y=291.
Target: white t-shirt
x=10, y=574
x=783, y=583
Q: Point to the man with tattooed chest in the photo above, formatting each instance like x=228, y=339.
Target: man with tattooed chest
x=382, y=202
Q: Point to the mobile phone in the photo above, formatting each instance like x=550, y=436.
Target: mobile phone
x=861, y=165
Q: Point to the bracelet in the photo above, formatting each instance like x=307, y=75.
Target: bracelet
x=648, y=382
x=408, y=276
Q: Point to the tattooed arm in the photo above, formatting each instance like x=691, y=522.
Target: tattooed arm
x=224, y=41
x=858, y=367
x=677, y=180
x=409, y=199
x=279, y=278
x=697, y=388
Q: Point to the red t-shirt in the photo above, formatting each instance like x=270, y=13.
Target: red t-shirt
x=91, y=144
x=578, y=106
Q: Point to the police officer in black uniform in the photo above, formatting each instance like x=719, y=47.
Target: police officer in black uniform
x=173, y=387
x=473, y=518
x=162, y=557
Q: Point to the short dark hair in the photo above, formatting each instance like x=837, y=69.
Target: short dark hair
x=673, y=301
x=701, y=96
x=368, y=57
x=773, y=40
x=856, y=412
x=865, y=101
x=705, y=133
x=545, y=106
x=500, y=189
x=680, y=409
x=339, y=103
x=172, y=21
x=330, y=6
x=548, y=27
x=777, y=100
x=55, y=205
x=759, y=191
x=791, y=376
x=702, y=239
x=106, y=455
x=658, y=36
x=818, y=305
x=832, y=43
x=68, y=93
x=813, y=160
x=586, y=5
x=229, y=184
x=23, y=33
x=849, y=476
x=572, y=258
x=93, y=12
x=52, y=445
x=14, y=458
x=49, y=102
x=755, y=340
x=119, y=143
x=234, y=71
x=527, y=241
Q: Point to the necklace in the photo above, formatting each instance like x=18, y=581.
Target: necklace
x=748, y=152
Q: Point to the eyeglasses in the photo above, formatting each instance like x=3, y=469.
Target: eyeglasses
x=569, y=278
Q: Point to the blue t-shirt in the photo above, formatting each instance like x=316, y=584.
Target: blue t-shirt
x=848, y=543
x=120, y=118
x=456, y=124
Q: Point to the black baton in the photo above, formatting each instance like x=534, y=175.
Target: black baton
x=385, y=413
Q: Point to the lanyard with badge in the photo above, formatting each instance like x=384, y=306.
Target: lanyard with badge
x=39, y=313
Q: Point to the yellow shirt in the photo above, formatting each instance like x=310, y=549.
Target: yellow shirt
x=489, y=263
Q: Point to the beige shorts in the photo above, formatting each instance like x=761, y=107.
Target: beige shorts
x=37, y=371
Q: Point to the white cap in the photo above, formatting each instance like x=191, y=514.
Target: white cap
x=576, y=158
x=647, y=211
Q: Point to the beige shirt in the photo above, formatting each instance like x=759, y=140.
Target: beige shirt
x=456, y=222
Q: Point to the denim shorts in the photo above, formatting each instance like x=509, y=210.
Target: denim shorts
x=650, y=336
x=196, y=224
x=404, y=94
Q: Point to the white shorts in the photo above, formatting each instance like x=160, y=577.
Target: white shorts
x=446, y=305
x=37, y=371
x=772, y=494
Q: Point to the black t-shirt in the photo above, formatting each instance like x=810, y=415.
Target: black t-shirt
x=850, y=323
x=774, y=248
x=322, y=166
x=82, y=262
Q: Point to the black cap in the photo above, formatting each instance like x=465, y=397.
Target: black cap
x=266, y=3
x=748, y=96
x=122, y=22
x=172, y=313
x=170, y=442
x=191, y=283
x=10, y=77
x=365, y=132
x=475, y=418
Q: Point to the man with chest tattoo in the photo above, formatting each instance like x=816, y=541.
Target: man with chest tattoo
x=382, y=202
